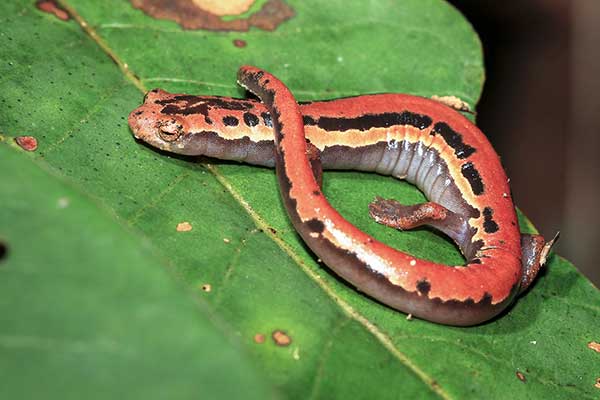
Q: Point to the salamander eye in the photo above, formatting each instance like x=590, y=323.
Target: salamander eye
x=169, y=131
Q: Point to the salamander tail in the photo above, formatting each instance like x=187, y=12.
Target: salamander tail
x=535, y=251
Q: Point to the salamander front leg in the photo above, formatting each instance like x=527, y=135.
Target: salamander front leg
x=395, y=215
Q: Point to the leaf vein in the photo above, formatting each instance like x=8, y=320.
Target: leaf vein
x=231, y=267
x=346, y=308
x=324, y=355
x=178, y=179
x=95, y=108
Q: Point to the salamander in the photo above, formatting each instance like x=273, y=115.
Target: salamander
x=420, y=140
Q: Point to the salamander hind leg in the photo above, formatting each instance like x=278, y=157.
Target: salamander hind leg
x=535, y=252
x=395, y=215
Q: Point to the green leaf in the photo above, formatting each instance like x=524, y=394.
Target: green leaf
x=88, y=312
x=71, y=84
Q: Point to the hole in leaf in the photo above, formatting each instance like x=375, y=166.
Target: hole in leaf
x=3, y=251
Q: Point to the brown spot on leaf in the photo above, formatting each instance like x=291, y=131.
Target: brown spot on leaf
x=594, y=346
x=281, y=338
x=273, y=231
x=239, y=43
x=28, y=143
x=191, y=15
x=50, y=7
x=220, y=7
x=184, y=227
x=206, y=287
x=259, y=338
x=521, y=376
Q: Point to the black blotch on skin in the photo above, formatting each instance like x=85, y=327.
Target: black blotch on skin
x=315, y=225
x=368, y=121
x=184, y=97
x=489, y=225
x=423, y=286
x=308, y=120
x=485, y=300
x=453, y=139
x=469, y=171
x=256, y=76
x=316, y=193
x=138, y=113
x=478, y=244
x=475, y=261
x=267, y=119
x=228, y=104
x=171, y=109
x=250, y=119
x=188, y=104
x=276, y=120
x=475, y=247
x=230, y=121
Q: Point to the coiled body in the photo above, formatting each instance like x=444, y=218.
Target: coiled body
x=412, y=138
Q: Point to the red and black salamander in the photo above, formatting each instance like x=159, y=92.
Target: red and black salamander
x=423, y=141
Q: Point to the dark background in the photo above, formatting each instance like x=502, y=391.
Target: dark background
x=540, y=107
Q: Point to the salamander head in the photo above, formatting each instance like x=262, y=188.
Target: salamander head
x=185, y=124
x=165, y=120
x=150, y=124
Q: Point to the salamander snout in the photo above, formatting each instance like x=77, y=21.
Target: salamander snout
x=154, y=128
x=135, y=123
